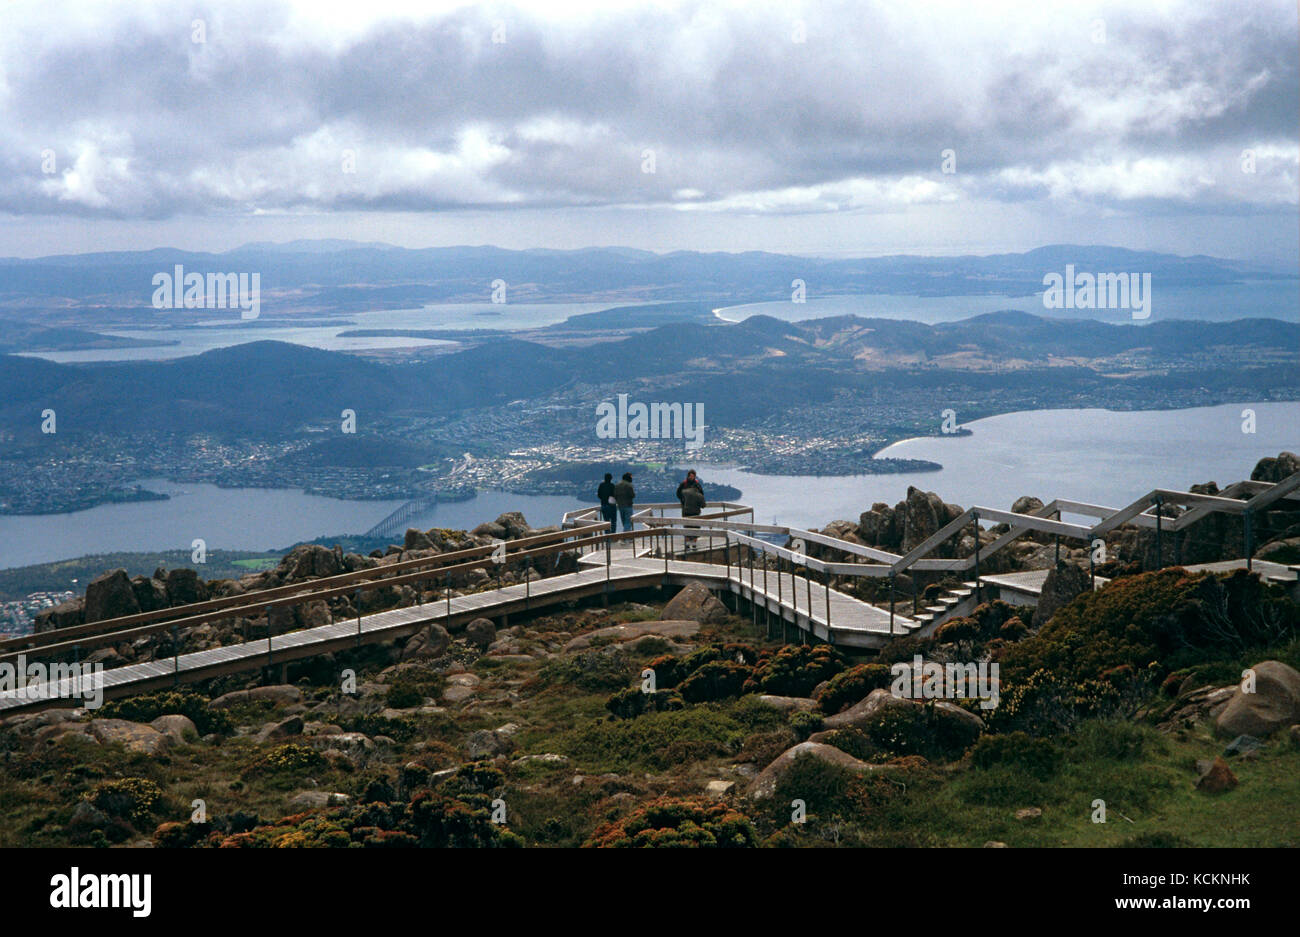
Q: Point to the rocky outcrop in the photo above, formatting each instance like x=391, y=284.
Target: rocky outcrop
x=278, y=694
x=64, y=615
x=481, y=633
x=788, y=704
x=1060, y=587
x=865, y=711
x=310, y=561
x=110, y=595
x=184, y=586
x=134, y=736
x=150, y=593
x=1275, y=470
x=695, y=603
x=429, y=642
x=1215, y=776
x=630, y=631
x=1274, y=704
x=765, y=784
x=175, y=726
x=908, y=523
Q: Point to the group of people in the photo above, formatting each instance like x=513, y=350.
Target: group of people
x=616, y=499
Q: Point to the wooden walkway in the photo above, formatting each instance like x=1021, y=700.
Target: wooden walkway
x=792, y=599
x=783, y=587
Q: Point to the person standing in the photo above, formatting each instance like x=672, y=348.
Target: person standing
x=691, y=495
x=605, y=496
x=624, y=495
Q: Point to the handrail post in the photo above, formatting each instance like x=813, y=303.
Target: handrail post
x=1160, y=552
x=828, y=605
x=1249, y=520
x=357, y=596
x=176, y=654
x=891, y=604
x=975, y=520
x=448, y=625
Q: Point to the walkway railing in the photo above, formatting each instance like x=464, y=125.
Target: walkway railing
x=584, y=533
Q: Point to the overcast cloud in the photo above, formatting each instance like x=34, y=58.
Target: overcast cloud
x=137, y=113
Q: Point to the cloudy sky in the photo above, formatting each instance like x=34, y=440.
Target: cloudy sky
x=827, y=127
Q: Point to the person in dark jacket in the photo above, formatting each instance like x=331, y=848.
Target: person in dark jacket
x=691, y=494
x=624, y=495
x=605, y=497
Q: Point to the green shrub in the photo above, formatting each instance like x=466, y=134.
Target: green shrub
x=1111, y=740
x=132, y=799
x=632, y=702
x=852, y=686
x=403, y=696
x=602, y=670
x=716, y=680
x=1045, y=705
x=853, y=741
x=822, y=785
x=1141, y=621
x=921, y=730
x=288, y=759
x=804, y=724
x=1038, y=757
x=148, y=707
x=653, y=742
x=401, y=729
x=796, y=669
x=669, y=823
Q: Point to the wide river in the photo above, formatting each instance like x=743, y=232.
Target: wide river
x=1099, y=456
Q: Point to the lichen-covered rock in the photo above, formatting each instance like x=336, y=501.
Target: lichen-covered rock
x=695, y=603
x=765, y=784
x=1274, y=704
x=134, y=736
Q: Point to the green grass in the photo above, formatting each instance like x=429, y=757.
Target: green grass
x=257, y=564
x=1144, y=778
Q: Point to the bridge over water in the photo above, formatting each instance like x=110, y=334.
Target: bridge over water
x=782, y=584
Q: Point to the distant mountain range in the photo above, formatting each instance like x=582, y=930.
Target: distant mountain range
x=341, y=276
x=273, y=388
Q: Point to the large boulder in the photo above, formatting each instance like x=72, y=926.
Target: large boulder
x=64, y=615
x=134, y=736
x=1060, y=587
x=765, y=784
x=629, y=631
x=481, y=633
x=175, y=726
x=110, y=595
x=514, y=524
x=278, y=694
x=1275, y=470
x=310, y=561
x=865, y=711
x=150, y=593
x=432, y=641
x=184, y=586
x=416, y=540
x=488, y=743
x=1026, y=504
x=695, y=603
x=924, y=513
x=962, y=722
x=878, y=527
x=1274, y=704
